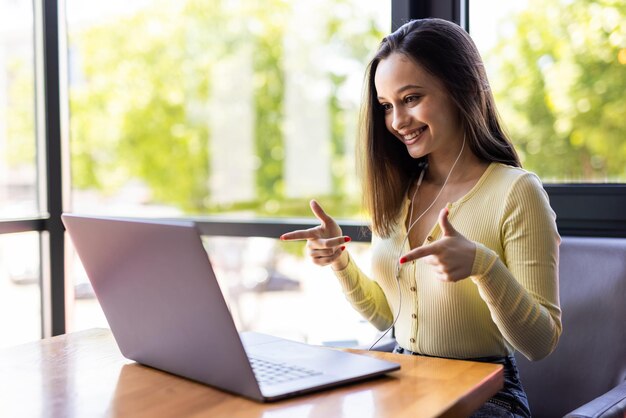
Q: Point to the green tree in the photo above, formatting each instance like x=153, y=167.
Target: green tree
x=140, y=110
x=269, y=90
x=354, y=40
x=560, y=83
x=136, y=114
x=20, y=116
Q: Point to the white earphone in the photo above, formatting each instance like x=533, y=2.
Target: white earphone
x=411, y=225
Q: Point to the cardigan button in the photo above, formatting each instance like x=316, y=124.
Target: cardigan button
x=413, y=288
x=412, y=340
x=414, y=316
x=429, y=238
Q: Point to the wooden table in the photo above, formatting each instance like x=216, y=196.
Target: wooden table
x=83, y=374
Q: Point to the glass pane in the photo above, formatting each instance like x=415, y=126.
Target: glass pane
x=557, y=70
x=18, y=168
x=85, y=311
x=20, y=303
x=270, y=288
x=232, y=106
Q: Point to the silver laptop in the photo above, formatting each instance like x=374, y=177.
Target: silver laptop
x=163, y=303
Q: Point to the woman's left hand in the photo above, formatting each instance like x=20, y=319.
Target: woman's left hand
x=452, y=256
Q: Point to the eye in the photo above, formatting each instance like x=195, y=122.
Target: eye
x=386, y=107
x=412, y=98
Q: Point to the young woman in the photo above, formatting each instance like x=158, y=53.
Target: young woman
x=465, y=245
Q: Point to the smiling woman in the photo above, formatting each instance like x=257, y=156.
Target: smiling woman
x=399, y=83
x=464, y=246
x=455, y=97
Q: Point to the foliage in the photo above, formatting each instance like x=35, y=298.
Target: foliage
x=138, y=111
x=353, y=37
x=141, y=110
x=268, y=98
x=139, y=100
x=20, y=121
x=560, y=83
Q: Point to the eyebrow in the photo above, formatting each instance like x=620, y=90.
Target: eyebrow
x=408, y=87
x=404, y=88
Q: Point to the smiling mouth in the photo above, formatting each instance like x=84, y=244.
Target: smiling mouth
x=410, y=138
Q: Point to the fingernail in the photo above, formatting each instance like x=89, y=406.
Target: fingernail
x=343, y=247
x=282, y=238
x=403, y=260
x=347, y=239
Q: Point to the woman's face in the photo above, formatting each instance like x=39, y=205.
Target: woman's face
x=418, y=110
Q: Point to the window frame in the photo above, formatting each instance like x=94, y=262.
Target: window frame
x=582, y=209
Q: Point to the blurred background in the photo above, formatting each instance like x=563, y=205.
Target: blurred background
x=244, y=110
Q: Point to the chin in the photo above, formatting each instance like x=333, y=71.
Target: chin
x=415, y=154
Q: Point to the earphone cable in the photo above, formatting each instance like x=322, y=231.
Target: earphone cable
x=406, y=237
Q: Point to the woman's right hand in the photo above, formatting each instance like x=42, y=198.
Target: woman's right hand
x=325, y=242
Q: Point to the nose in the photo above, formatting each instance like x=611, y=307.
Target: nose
x=400, y=118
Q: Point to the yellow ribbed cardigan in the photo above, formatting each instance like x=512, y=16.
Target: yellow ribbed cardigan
x=511, y=300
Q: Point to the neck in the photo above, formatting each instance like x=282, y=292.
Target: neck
x=453, y=165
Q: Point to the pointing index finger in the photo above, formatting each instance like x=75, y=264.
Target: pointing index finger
x=299, y=235
x=418, y=253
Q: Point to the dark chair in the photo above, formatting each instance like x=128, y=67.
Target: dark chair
x=585, y=376
x=587, y=371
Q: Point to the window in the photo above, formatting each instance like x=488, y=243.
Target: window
x=201, y=76
x=20, y=295
x=233, y=108
x=18, y=168
x=270, y=288
x=557, y=71
x=20, y=312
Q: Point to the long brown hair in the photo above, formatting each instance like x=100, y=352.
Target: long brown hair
x=447, y=52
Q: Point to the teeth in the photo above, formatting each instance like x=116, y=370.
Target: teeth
x=414, y=134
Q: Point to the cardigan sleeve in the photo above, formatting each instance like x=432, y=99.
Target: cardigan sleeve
x=365, y=295
x=521, y=289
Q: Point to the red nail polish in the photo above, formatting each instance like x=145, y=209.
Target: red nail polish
x=347, y=239
x=403, y=260
x=343, y=247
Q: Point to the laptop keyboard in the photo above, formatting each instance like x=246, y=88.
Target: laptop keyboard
x=270, y=373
